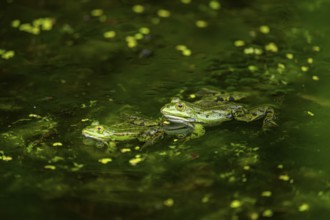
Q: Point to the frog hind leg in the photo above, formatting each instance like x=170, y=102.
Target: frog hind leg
x=265, y=112
x=198, y=131
x=269, y=120
x=150, y=137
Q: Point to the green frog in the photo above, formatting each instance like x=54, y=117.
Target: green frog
x=124, y=131
x=136, y=128
x=179, y=111
x=215, y=95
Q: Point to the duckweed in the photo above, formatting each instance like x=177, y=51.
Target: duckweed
x=266, y=194
x=280, y=67
x=15, y=23
x=239, y=43
x=235, y=204
x=76, y=166
x=215, y=5
x=109, y=34
x=258, y=51
x=131, y=42
x=252, y=68
x=136, y=160
x=181, y=47
x=7, y=54
x=186, y=1
x=267, y=213
x=139, y=9
x=138, y=36
x=206, y=198
x=304, y=68
x=192, y=96
x=272, y=47
x=36, y=26
x=4, y=157
x=45, y=24
x=168, y=202
x=125, y=150
x=264, y=29
x=163, y=13
x=249, y=50
x=105, y=160
x=310, y=113
x=254, y=216
x=186, y=52
x=144, y=30
x=303, y=207
x=246, y=167
x=50, y=167
x=315, y=78
x=34, y=116
x=284, y=177
x=97, y=12
x=316, y=48
x=289, y=56
x=201, y=24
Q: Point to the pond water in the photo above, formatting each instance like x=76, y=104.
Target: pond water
x=67, y=64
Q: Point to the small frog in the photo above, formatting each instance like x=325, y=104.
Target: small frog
x=179, y=111
x=124, y=131
x=136, y=128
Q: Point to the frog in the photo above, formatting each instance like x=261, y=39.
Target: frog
x=123, y=132
x=179, y=111
x=216, y=95
x=139, y=128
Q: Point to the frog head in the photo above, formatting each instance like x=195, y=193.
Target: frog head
x=97, y=132
x=178, y=111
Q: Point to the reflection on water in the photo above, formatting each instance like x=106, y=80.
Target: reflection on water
x=66, y=65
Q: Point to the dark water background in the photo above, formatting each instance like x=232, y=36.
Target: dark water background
x=71, y=73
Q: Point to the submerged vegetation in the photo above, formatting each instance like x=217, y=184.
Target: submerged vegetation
x=109, y=70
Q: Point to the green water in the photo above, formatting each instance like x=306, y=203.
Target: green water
x=59, y=74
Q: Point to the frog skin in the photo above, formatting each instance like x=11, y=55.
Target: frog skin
x=179, y=111
x=215, y=95
x=122, y=132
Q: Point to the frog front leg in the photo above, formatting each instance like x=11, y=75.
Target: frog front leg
x=256, y=113
x=198, y=131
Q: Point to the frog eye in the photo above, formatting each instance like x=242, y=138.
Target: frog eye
x=180, y=106
x=100, y=129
